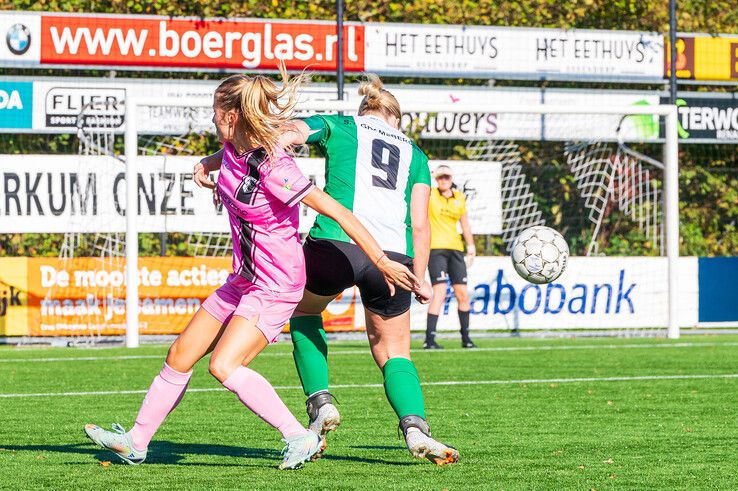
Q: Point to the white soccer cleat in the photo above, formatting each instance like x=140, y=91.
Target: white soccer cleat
x=117, y=441
x=299, y=449
x=326, y=420
x=324, y=416
x=422, y=446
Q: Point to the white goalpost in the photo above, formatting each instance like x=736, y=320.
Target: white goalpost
x=667, y=191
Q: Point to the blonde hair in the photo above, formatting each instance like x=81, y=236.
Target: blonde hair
x=263, y=106
x=377, y=99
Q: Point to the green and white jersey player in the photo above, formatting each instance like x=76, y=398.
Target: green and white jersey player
x=382, y=176
x=371, y=168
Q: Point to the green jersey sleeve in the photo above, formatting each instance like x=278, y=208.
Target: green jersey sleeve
x=419, y=170
x=320, y=129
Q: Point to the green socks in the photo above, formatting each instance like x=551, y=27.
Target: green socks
x=402, y=386
x=310, y=352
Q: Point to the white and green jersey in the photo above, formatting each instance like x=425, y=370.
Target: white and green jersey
x=370, y=168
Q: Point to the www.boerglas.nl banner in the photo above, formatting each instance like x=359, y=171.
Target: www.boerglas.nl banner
x=164, y=43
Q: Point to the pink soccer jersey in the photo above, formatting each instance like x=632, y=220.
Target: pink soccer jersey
x=261, y=198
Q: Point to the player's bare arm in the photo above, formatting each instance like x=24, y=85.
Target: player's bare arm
x=421, y=238
x=205, y=166
x=296, y=132
x=471, y=249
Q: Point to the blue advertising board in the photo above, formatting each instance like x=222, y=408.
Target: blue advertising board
x=718, y=292
x=16, y=105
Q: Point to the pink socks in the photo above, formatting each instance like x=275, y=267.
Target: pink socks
x=251, y=388
x=163, y=396
x=258, y=395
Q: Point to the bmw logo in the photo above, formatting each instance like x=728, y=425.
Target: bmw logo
x=18, y=39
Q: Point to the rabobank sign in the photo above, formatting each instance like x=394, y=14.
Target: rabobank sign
x=610, y=295
x=16, y=105
x=593, y=293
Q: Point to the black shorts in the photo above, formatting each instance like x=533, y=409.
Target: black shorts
x=445, y=264
x=333, y=266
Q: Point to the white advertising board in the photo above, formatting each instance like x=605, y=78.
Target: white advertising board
x=593, y=293
x=57, y=103
x=481, y=183
x=71, y=193
x=500, y=52
x=156, y=43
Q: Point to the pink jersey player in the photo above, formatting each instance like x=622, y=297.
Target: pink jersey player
x=260, y=187
x=261, y=198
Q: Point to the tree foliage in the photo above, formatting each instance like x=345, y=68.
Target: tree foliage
x=650, y=15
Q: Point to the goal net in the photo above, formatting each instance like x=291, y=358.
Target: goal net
x=602, y=176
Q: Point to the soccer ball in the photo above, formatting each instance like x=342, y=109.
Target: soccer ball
x=539, y=254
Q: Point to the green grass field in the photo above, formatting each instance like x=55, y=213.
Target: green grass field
x=524, y=414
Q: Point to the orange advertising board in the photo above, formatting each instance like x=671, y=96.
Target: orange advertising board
x=80, y=296
x=149, y=41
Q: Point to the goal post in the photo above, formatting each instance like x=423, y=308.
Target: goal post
x=131, y=155
x=670, y=191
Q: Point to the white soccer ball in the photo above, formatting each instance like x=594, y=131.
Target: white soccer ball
x=539, y=254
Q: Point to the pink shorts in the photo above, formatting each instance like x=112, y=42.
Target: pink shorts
x=243, y=298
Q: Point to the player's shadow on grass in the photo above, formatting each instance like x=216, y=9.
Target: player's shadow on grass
x=379, y=447
x=169, y=453
x=164, y=452
x=161, y=452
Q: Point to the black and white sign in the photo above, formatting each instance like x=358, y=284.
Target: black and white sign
x=481, y=183
x=96, y=106
x=495, y=52
x=73, y=193
x=707, y=118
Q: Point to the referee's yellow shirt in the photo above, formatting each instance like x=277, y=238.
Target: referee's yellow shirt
x=444, y=213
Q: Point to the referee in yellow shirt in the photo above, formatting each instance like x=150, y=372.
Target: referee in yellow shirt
x=447, y=207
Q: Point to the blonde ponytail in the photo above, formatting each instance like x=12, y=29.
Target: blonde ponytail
x=264, y=106
x=377, y=99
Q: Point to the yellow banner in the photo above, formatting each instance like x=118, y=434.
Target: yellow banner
x=13, y=296
x=83, y=296
x=716, y=58
x=705, y=58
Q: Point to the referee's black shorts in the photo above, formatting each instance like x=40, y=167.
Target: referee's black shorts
x=445, y=264
x=332, y=266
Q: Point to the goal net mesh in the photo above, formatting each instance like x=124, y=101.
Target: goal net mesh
x=597, y=179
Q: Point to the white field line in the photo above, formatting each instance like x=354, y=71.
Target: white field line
x=339, y=352
x=447, y=382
